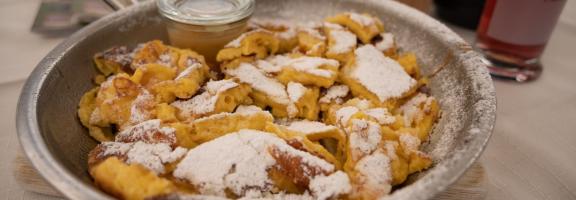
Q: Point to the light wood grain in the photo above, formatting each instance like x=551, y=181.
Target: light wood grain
x=470, y=186
x=27, y=176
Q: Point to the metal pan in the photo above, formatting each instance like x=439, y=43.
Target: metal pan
x=57, y=144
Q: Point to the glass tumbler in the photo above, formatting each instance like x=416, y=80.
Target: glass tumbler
x=513, y=34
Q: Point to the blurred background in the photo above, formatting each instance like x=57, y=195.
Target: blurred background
x=530, y=155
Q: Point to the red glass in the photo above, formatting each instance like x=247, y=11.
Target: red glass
x=514, y=40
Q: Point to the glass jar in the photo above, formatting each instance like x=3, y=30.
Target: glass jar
x=205, y=26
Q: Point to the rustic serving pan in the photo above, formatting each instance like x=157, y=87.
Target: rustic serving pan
x=57, y=144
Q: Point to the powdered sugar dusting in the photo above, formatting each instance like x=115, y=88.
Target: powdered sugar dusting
x=343, y=114
x=413, y=109
x=390, y=147
x=272, y=64
x=206, y=102
x=310, y=127
x=311, y=30
x=335, y=93
x=343, y=41
x=216, y=87
x=188, y=71
x=327, y=187
x=288, y=28
x=379, y=74
x=249, y=74
x=409, y=142
x=292, y=110
x=151, y=156
x=312, y=65
x=238, y=161
x=375, y=172
x=114, y=148
x=364, y=137
x=154, y=156
x=386, y=43
x=268, y=67
x=248, y=110
x=141, y=107
x=361, y=19
x=148, y=131
x=333, y=26
x=295, y=91
x=381, y=115
x=165, y=59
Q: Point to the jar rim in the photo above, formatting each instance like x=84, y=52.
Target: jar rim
x=189, y=12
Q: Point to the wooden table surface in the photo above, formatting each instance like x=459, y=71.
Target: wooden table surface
x=532, y=154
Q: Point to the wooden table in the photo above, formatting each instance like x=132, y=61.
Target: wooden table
x=532, y=154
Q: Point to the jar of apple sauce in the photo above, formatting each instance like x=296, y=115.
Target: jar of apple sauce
x=205, y=26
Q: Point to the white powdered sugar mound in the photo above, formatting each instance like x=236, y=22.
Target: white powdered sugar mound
x=361, y=19
x=191, y=68
x=141, y=107
x=267, y=66
x=363, y=104
x=364, y=137
x=165, y=59
x=311, y=29
x=154, y=156
x=333, y=26
x=215, y=87
x=288, y=34
x=151, y=156
x=381, y=75
x=248, y=109
x=227, y=162
x=288, y=28
x=381, y=115
x=249, y=74
x=390, y=148
x=237, y=162
x=412, y=110
x=409, y=142
x=312, y=65
x=198, y=105
x=335, y=93
x=310, y=127
x=327, y=187
x=343, y=115
x=386, y=43
x=114, y=148
x=95, y=116
x=344, y=41
x=240, y=110
x=375, y=172
x=273, y=64
x=148, y=131
x=295, y=91
x=206, y=102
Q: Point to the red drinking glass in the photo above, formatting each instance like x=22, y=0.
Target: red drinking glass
x=512, y=35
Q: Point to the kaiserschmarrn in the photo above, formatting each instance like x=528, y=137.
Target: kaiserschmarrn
x=327, y=110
